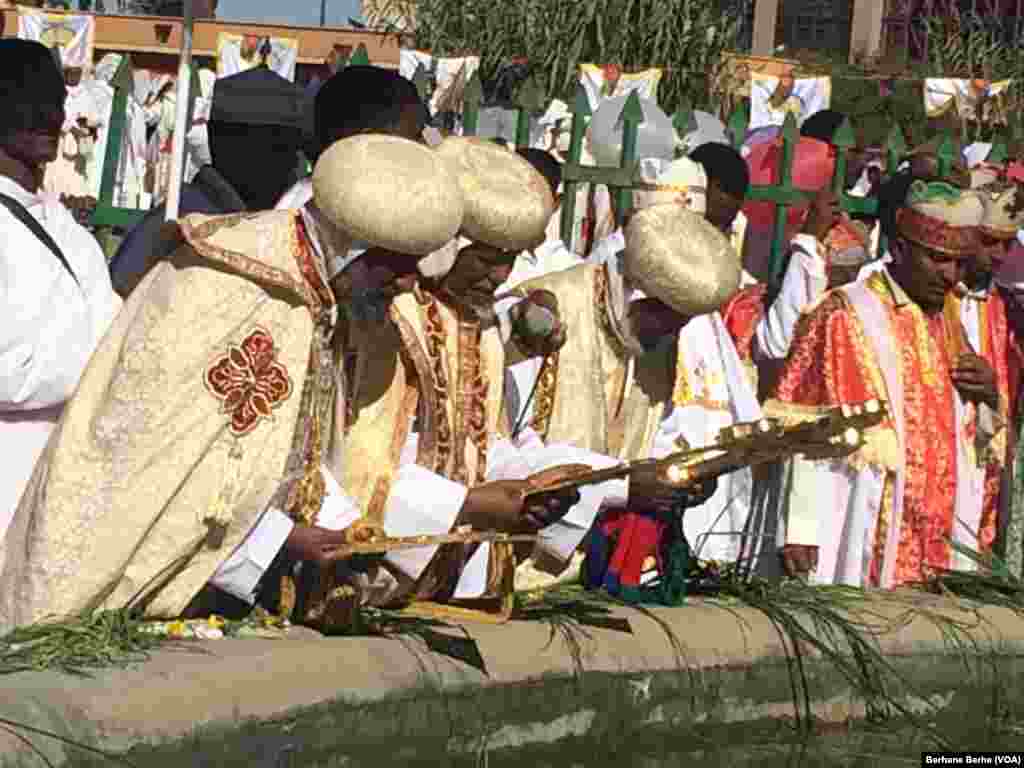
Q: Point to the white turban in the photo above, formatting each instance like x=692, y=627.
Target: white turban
x=681, y=181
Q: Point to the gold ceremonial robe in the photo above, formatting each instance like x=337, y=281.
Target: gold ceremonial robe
x=190, y=414
x=435, y=373
x=593, y=394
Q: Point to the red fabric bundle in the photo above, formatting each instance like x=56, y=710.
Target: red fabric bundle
x=814, y=164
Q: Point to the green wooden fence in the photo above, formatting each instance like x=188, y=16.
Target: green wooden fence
x=620, y=180
x=108, y=215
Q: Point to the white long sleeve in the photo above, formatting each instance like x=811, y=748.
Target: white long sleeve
x=528, y=456
x=240, y=574
x=51, y=324
x=421, y=503
x=803, y=284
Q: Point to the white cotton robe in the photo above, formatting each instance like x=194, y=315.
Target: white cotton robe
x=51, y=326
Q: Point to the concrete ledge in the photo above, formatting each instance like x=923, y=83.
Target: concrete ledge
x=251, y=702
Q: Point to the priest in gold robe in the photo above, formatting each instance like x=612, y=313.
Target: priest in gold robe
x=425, y=447
x=195, y=449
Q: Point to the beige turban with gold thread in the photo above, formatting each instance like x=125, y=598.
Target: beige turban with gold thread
x=677, y=257
x=508, y=204
x=390, y=193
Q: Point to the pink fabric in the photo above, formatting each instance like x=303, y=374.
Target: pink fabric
x=813, y=166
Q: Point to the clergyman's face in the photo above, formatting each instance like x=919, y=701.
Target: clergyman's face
x=38, y=144
x=979, y=268
x=373, y=280
x=478, y=272
x=722, y=207
x=927, y=275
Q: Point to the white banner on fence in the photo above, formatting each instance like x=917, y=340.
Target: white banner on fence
x=73, y=34
x=450, y=77
x=240, y=53
x=943, y=94
x=802, y=97
x=607, y=82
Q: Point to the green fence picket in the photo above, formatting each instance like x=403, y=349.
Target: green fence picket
x=946, y=155
x=471, y=99
x=684, y=120
x=421, y=79
x=632, y=117
x=580, y=110
x=737, y=126
x=107, y=214
x=361, y=57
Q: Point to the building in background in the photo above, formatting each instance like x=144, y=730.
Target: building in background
x=864, y=29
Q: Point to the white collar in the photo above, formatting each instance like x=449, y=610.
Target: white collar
x=11, y=188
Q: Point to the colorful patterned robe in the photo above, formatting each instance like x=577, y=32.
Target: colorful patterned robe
x=859, y=343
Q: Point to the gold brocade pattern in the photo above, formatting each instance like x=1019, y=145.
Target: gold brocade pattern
x=682, y=394
x=882, y=527
x=604, y=311
x=437, y=345
x=471, y=403
x=117, y=500
x=248, y=381
x=547, y=385
x=924, y=344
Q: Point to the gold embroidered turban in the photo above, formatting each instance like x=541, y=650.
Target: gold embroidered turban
x=681, y=181
x=508, y=203
x=676, y=256
x=1004, y=211
x=389, y=192
x=941, y=217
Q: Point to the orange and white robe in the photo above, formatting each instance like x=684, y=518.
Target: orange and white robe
x=885, y=515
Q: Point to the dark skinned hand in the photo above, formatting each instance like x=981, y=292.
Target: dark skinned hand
x=502, y=505
x=308, y=543
x=537, y=343
x=975, y=381
x=648, y=492
x=822, y=215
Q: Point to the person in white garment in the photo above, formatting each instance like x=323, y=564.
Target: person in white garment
x=197, y=450
x=712, y=389
x=55, y=293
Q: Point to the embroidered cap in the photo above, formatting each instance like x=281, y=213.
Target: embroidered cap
x=941, y=217
x=681, y=181
x=389, y=193
x=846, y=244
x=676, y=256
x=508, y=204
x=1004, y=210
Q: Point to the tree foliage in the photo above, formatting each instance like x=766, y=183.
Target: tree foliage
x=685, y=38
